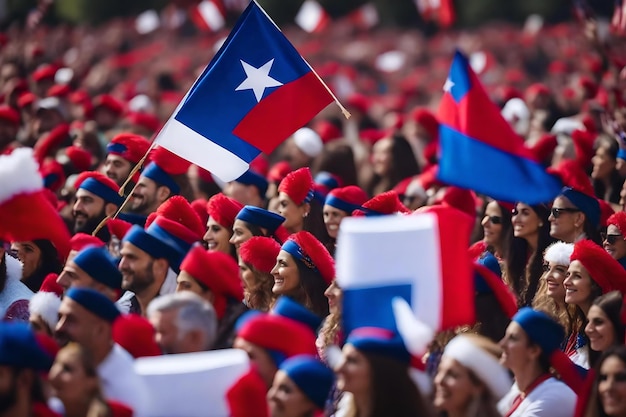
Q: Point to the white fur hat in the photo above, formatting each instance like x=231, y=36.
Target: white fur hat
x=308, y=141
x=559, y=253
x=46, y=305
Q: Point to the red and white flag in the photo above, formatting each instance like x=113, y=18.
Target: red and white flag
x=438, y=11
x=365, y=17
x=208, y=15
x=312, y=17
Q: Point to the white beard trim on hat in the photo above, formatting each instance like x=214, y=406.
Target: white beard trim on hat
x=19, y=174
x=46, y=305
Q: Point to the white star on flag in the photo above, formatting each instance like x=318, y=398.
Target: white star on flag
x=258, y=79
x=447, y=87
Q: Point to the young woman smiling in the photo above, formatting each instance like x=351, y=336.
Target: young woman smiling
x=222, y=211
x=608, y=396
x=604, y=325
x=497, y=228
x=340, y=203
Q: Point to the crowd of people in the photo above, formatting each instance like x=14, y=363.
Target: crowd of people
x=115, y=250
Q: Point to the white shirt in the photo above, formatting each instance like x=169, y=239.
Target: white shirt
x=120, y=382
x=551, y=398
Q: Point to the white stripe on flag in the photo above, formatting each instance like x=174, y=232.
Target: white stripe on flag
x=201, y=151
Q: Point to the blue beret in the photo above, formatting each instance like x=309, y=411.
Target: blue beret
x=252, y=178
x=19, y=348
x=287, y=307
x=313, y=378
x=95, y=302
x=379, y=341
x=158, y=175
x=541, y=329
x=587, y=204
x=99, y=265
x=261, y=217
x=154, y=246
x=107, y=194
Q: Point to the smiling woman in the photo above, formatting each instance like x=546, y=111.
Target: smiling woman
x=604, y=325
x=608, y=396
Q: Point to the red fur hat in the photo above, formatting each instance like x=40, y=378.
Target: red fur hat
x=223, y=210
x=169, y=162
x=199, y=206
x=80, y=241
x=583, y=146
x=312, y=253
x=260, y=253
x=348, y=198
x=278, y=171
x=385, y=203
x=602, y=268
x=146, y=120
x=428, y=121
x=178, y=209
x=109, y=102
x=216, y=270
x=135, y=334
x=571, y=175
x=129, y=146
x=618, y=219
x=118, y=227
x=544, y=147
x=48, y=145
x=298, y=185
x=52, y=173
x=80, y=158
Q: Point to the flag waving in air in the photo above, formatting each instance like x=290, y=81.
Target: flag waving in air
x=255, y=92
x=480, y=151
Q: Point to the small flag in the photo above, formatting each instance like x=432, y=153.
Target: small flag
x=312, y=17
x=255, y=92
x=439, y=11
x=208, y=16
x=365, y=17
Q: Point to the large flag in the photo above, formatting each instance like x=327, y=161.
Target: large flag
x=479, y=149
x=420, y=258
x=255, y=92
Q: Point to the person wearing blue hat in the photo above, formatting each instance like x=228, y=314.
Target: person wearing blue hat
x=529, y=348
x=301, y=387
x=574, y=216
x=249, y=189
x=254, y=221
x=86, y=317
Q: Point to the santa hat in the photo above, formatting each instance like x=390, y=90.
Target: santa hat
x=80, y=241
x=308, y=141
x=218, y=272
x=544, y=147
x=80, y=158
x=428, y=121
x=603, y=269
x=379, y=341
x=52, y=173
x=312, y=377
x=383, y=204
x=129, y=146
x=98, y=263
x=347, y=199
x=94, y=302
x=21, y=348
x=45, y=305
x=52, y=141
x=178, y=209
x=261, y=217
x=25, y=211
x=223, y=210
x=164, y=167
x=260, y=252
x=135, y=334
x=50, y=285
x=298, y=185
x=250, y=177
x=306, y=249
x=100, y=185
x=109, y=102
x=288, y=307
x=118, y=227
x=619, y=220
x=9, y=114
x=148, y=121
x=578, y=190
x=559, y=253
x=278, y=171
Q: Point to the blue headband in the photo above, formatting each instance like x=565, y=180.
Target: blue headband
x=95, y=302
x=313, y=378
x=342, y=205
x=252, y=178
x=298, y=254
x=261, y=217
x=587, y=204
x=116, y=147
x=289, y=308
x=156, y=174
x=99, y=265
x=107, y=194
x=541, y=329
x=368, y=340
x=327, y=180
x=154, y=246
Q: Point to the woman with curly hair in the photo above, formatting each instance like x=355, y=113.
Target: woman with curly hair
x=257, y=258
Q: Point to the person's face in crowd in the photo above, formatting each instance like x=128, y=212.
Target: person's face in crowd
x=554, y=276
x=578, y=284
x=73, y=276
x=8, y=133
x=603, y=164
x=244, y=194
x=167, y=333
x=76, y=324
x=612, y=386
x=568, y=221
x=455, y=387
x=296, y=158
x=39, y=325
x=334, y=295
x=614, y=242
x=526, y=222
x=381, y=156
x=185, y=282
x=29, y=254
x=294, y=214
x=88, y=211
x=332, y=219
x=241, y=233
x=69, y=379
x=492, y=224
x=217, y=237
x=117, y=168
x=262, y=360
x=46, y=120
x=147, y=196
x=285, y=399
x=104, y=118
x=354, y=372
x=138, y=268
x=599, y=329
x=247, y=276
x=517, y=350
x=286, y=274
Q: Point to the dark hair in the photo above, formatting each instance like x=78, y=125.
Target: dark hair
x=226, y=333
x=489, y=314
x=403, y=165
x=594, y=406
x=611, y=304
x=49, y=263
x=256, y=230
x=506, y=232
x=616, y=181
x=338, y=160
x=314, y=222
x=393, y=392
x=183, y=183
x=524, y=269
x=310, y=292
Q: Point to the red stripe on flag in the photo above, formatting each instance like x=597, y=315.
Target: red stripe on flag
x=283, y=112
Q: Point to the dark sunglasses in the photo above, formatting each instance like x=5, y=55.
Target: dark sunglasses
x=494, y=219
x=611, y=239
x=556, y=211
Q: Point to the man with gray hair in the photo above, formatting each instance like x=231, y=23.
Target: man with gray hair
x=183, y=322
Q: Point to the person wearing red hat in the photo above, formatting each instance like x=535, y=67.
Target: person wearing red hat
x=275, y=175
x=44, y=307
x=123, y=152
x=96, y=198
x=136, y=335
x=9, y=125
x=614, y=240
x=215, y=277
x=257, y=257
x=340, y=203
x=607, y=182
x=303, y=271
x=382, y=204
x=107, y=111
x=222, y=212
x=117, y=229
x=142, y=123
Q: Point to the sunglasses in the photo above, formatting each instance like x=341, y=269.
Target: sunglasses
x=611, y=239
x=494, y=219
x=556, y=211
